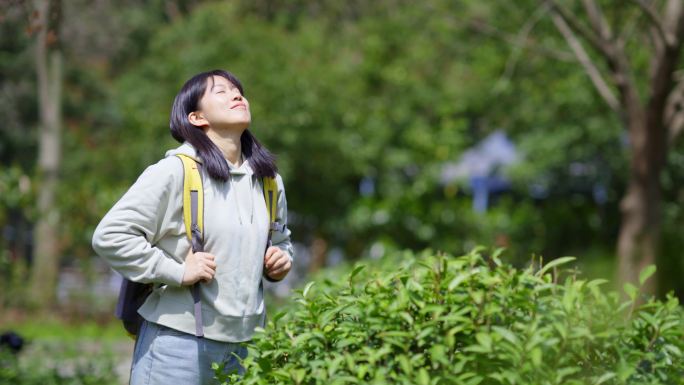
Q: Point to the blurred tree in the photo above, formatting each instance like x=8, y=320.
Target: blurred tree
x=649, y=102
x=49, y=70
x=375, y=98
x=75, y=48
x=364, y=102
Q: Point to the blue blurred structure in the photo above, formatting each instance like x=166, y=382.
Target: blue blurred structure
x=483, y=166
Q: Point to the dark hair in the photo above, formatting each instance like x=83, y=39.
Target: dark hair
x=187, y=101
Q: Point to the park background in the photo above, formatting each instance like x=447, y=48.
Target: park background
x=545, y=128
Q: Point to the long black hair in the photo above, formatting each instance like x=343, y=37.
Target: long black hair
x=187, y=101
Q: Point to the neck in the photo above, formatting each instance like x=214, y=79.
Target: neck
x=228, y=141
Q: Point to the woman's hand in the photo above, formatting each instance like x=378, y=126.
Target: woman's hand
x=276, y=263
x=198, y=266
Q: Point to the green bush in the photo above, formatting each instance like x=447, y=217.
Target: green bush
x=57, y=366
x=438, y=319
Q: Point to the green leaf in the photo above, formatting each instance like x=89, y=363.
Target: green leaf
x=554, y=263
x=605, y=377
x=404, y=364
x=457, y=280
x=496, y=254
x=506, y=334
x=474, y=380
x=650, y=319
x=631, y=290
x=356, y=271
x=298, y=375
x=423, y=377
x=673, y=349
x=485, y=341
x=596, y=282
x=278, y=316
x=307, y=288
x=536, y=357
x=646, y=273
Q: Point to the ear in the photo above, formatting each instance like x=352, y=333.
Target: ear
x=196, y=119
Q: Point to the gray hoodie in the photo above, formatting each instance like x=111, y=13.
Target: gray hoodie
x=143, y=238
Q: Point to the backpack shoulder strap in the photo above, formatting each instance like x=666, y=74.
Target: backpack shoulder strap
x=271, y=197
x=193, y=216
x=193, y=196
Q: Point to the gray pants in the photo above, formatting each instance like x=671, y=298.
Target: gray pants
x=166, y=356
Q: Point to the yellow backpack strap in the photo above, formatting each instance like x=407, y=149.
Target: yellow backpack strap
x=193, y=196
x=271, y=197
x=193, y=216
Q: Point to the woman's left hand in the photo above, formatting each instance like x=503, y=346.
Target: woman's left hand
x=276, y=263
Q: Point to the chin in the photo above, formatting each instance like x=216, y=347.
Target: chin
x=242, y=125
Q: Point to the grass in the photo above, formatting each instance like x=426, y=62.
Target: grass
x=50, y=327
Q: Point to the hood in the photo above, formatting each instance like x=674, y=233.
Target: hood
x=187, y=149
x=235, y=172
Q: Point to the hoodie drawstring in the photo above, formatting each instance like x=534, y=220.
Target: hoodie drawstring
x=251, y=198
x=234, y=188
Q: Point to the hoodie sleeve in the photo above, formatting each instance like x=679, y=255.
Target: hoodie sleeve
x=127, y=234
x=281, y=239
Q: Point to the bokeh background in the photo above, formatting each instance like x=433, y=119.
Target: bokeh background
x=548, y=128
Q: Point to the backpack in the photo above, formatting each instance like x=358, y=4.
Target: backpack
x=133, y=294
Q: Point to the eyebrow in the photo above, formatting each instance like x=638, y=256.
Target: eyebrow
x=215, y=84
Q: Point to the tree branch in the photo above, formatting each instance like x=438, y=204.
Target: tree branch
x=658, y=43
x=656, y=21
x=664, y=73
x=674, y=110
x=486, y=29
x=573, y=22
x=520, y=39
x=598, y=23
x=584, y=59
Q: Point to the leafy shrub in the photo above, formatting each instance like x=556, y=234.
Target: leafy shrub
x=438, y=319
x=54, y=367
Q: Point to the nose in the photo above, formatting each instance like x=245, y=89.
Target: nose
x=237, y=96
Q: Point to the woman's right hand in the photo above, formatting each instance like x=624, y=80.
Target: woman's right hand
x=198, y=267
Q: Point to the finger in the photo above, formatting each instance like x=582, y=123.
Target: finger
x=270, y=251
x=280, y=271
x=211, y=264
x=275, y=257
x=283, y=265
x=280, y=262
x=211, y=272
x=205, y=276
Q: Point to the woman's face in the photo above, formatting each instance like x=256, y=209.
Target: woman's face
x=222, y=105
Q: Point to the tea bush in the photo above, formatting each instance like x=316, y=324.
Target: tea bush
x=57, y=367
x=437, y=319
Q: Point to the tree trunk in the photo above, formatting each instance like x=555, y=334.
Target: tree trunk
x=49, y=72
x=319, y=250
x=640, y=229
x=639, y=237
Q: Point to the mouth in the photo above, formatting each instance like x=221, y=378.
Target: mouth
x=238, y=105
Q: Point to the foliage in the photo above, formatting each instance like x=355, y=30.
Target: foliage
x=438, y=319
x=380, y=93
x=53, y=368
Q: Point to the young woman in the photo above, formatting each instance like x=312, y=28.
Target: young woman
x=143, y=237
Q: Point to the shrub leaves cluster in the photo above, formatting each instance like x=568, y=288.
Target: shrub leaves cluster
x=437, y=319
